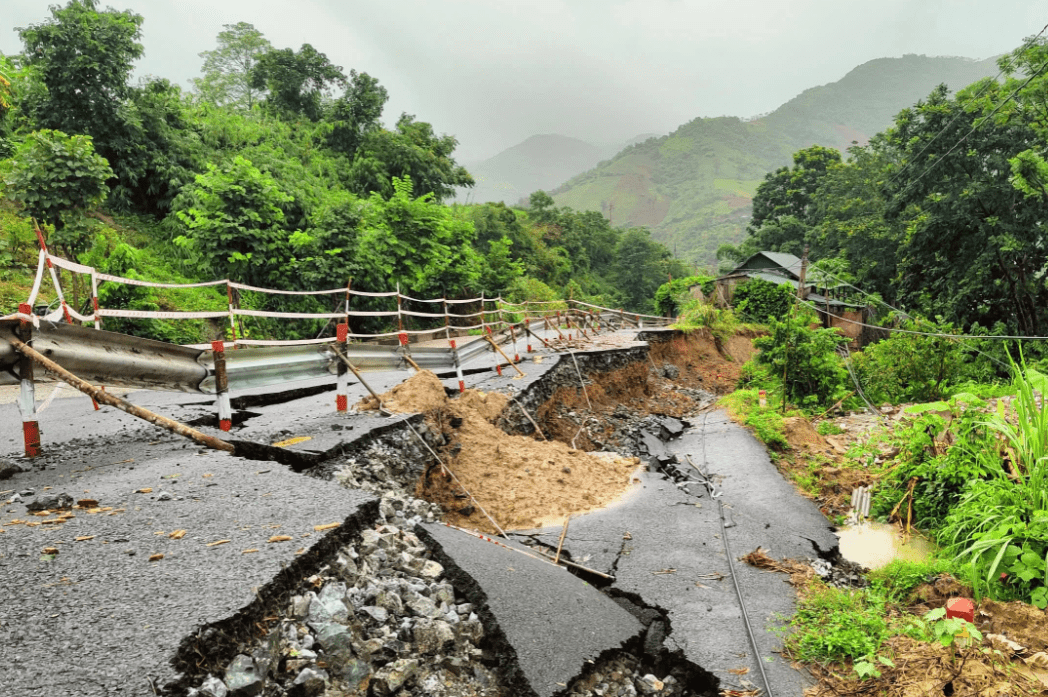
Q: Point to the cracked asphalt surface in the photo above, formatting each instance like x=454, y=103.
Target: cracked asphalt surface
x=100, y=617
x=99, y=620
x=664, y=545
x=553, y=621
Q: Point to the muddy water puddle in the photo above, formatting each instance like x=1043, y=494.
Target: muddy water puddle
x=875, y=545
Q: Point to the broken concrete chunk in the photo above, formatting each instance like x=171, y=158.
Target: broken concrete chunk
x=432, y=636
x=50, y=502
x=357, y=675
x=649, y=685
x=212, y=687
x=671, y=428
x=329, y=605
x=431, y=570
x=243, y=678
x=335, y=638
x=309, y=683
x=394, y=676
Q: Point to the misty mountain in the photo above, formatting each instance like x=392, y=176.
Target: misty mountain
x=694, y=187
x=539, y=163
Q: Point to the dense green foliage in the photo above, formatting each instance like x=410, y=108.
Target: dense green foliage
x=758, y=300
x=813, y=373
x=917, y=220
x=671, y=296
x=279, y=171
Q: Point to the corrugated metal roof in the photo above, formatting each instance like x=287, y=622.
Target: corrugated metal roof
x=784, y=263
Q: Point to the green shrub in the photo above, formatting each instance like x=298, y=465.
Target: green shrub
x=1000, y=525
x=828, y=428
x=757, y=300
x=910, y=367
x=814, y=374
x=696, y=314
x=766, y=422
x=835, y=625
x=673, y=295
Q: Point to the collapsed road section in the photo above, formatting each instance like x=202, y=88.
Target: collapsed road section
x=370, y=593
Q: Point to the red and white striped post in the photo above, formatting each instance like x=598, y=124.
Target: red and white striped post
x=222, y=405
x=27, y=391
x=458, y=366
x=342, y=390
x=513, y=336
x=498, y=365
x=94, y=300
x=527, y=330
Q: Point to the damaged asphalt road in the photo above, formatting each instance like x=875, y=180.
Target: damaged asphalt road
x=664, y=546
x=95, y=619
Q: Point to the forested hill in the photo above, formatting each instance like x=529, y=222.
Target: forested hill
x=694, y=187
x=537, y=164
x=540, y=162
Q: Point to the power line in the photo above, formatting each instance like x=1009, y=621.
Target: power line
x=954, y=119
x=975, y=128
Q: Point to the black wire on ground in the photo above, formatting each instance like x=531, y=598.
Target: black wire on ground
x=718, y=496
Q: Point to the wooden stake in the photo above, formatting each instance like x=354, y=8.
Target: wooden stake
x=563, y=534
x=360, y=378
x=105, y=398
x=496, y=347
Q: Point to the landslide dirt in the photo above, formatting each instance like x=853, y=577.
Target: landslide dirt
x=520, y=481
x=702, y=362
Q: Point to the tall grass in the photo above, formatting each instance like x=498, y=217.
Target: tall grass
x=1000, y=524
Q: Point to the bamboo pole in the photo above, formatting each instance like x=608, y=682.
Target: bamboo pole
x=360, y=378
x=563, y=534
x=496, y=347
x=105, y=398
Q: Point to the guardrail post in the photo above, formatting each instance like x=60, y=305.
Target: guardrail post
x=527, y=330
x=640, y=322
x=27, y=391
x=225, y=411
x=232, y=314
x=513, y=336
x=342, y=390
x=458, y=365
x=498, y=366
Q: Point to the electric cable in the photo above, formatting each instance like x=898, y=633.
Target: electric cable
x=718, y=496
x=954, y=119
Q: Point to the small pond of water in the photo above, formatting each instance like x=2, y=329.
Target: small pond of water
x=875, y=545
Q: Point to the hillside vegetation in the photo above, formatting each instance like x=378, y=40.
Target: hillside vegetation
x=694, y=187
x=276, y=170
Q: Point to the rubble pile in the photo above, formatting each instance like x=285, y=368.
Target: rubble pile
x=624, y=676
x=379, y=620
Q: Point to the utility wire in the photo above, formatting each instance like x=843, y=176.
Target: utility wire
x=975, y=127
x=954, y=119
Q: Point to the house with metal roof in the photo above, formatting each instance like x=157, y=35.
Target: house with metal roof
x=785, y=269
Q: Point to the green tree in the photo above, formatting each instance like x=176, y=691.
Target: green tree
x=227, y=69
x=355, y=115
x=234, y=223
x=790, y=191
x=412, y=150
x=57, y=178
x=296, y=82
x=972, y=246
x=417, y=242
x=83, y=57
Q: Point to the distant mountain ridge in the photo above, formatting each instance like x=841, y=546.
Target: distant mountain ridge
x=694, y=187
x=539, y=163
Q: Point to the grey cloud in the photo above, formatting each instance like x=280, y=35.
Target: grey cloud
x=493, y=73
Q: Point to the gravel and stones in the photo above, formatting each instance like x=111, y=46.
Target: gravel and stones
x=380, y=617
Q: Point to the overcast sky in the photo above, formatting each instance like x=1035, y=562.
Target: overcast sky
x=493, y=72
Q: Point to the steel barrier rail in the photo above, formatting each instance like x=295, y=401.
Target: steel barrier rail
x=109, y=358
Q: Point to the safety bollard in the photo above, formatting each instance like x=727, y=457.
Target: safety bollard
x=27, y=390
x=342, y=389
x=225, y=411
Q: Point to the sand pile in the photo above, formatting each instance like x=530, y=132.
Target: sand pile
x=522, y=482
x=421, y=392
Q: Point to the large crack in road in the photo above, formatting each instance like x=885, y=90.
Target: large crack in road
x=650, y=629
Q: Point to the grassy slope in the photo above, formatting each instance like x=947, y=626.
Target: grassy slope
x=694, y=187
